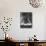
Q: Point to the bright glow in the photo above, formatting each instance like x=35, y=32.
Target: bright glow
x=7, y=35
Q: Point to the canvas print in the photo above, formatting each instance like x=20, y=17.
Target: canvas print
x=26, y=19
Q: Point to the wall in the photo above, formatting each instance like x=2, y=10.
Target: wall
x=12, y=8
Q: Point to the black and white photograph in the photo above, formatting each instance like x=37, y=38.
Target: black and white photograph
x=25, y=19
